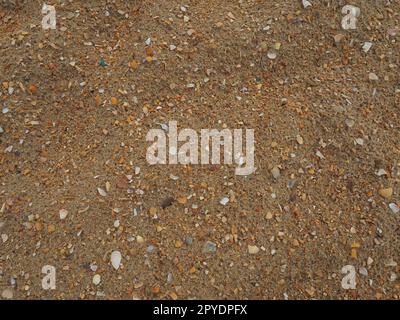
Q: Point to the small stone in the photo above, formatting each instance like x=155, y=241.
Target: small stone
x=7, y=294
x=269, y=215
x=63, y=214
x=350, y=123
x=96, y=279
x=114, y=101
x=167, y=202
x=299, y=139
x=338, y=38
x=153, y=211
x=209, y=247
x=4, y=237
x=102, y=192
x=320, y=155
x=359, y=141
x=1, y=130
x=139, y=239
x=108, y=186
x=178, y=243
x=182, y=200
x=394, y=207
x=150, y=248
x=32, y=88
x=51, y=228
x=390, y=263
x=306, y=4
x=386, y=192
x=381, y=172
x=276, y=173
x=253, y=249
x=373, y=77
x=272, y=54
x=370, y=261
x=367, y=46
x=116, y=258
x=363, y=271
x=188, y=240
x=224, y=201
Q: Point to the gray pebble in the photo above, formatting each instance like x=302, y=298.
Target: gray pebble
x=209, y=247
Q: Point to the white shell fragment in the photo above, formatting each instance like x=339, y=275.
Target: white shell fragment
x=306, y=4
x=102, y=192
x=63, y=214
x=367, y=46
x=116, y=259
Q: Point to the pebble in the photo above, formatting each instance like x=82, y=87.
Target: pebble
x=150, y=248
x=359, y=141
x=338, y=38
x=139, y=239
x=116, y=258
x=306, y=4
x=1, y=130
x=386, y=192
x=4, y=237
x=102, y=192
x=373, y=77
x=63, y=214
x=381, y=172
x=7, y=294
x=350, y=123
x=224, y=201
x=394, y=207
x=276, y=173
x=319, y=154
x=253, y=249
x=367, y=46
x=363, y=271
x=272, y=54
x=209, y=247
x=299, y=139
x=167, y=202
x=96, y=279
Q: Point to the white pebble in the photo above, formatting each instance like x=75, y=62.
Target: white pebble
x=253, y=249
x=102, y=192
x=224, y=201
x=96, y=279
x=367, y=46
